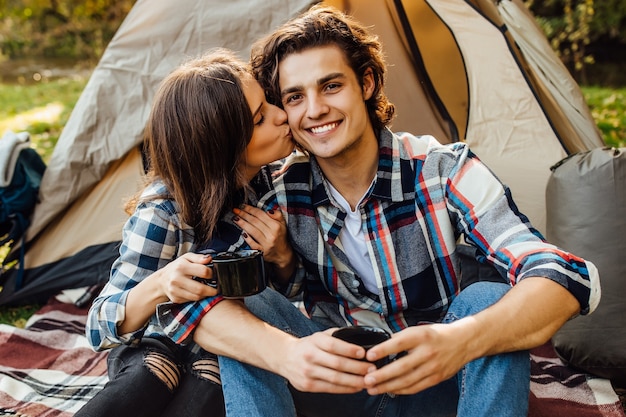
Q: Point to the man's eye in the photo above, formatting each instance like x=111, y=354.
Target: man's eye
x=292, y=98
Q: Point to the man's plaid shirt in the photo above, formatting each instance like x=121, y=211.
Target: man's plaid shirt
x=425, y=197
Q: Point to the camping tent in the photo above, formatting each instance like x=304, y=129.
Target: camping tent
x=473, y=70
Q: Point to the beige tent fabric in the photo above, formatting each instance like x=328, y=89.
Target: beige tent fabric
x=492, y=106
x=581, y=133
x=443, y=63
x=505, y=125
x=96, y=217
x=507, y=128
x=109, y=117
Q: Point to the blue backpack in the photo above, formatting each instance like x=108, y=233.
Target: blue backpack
x=21, y=169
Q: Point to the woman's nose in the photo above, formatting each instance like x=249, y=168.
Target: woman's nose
x=280, y=116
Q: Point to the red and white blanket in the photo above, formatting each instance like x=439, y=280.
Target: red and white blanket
x=557, y=390
x=47, y=369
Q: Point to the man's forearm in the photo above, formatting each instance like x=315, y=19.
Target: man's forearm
x=229, y=329
x=526, y=317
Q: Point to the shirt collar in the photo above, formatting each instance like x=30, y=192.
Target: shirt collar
x=393, y=182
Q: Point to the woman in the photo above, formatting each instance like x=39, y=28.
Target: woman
x=209, y=135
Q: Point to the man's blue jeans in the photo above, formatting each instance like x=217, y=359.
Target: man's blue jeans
x=491, y=386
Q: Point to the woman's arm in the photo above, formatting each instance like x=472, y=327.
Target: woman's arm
x=173, y=283
x=152, y=237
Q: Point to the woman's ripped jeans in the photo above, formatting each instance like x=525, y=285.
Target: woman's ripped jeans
x=158, y=378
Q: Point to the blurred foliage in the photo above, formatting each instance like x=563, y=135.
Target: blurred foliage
x=599, y=18
x=78, y=29
x=572, y=26
x=566, y=23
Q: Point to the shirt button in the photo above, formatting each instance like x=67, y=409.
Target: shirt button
x=355, y=283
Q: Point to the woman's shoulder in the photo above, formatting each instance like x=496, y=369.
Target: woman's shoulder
x=155, y=190
x=156, y=208
x=157, y=196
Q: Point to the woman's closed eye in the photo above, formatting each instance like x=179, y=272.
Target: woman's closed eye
x=261, y=120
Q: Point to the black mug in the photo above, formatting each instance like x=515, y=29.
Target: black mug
x=237, y=274
x=365, y=336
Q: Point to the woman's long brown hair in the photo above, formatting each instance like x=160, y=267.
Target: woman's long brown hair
x=196, y=135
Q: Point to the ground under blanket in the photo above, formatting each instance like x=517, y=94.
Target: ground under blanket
x=47, y=369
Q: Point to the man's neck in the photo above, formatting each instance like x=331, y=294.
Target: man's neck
x=352, y=173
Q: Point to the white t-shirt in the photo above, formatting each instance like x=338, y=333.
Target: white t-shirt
x=353, y=241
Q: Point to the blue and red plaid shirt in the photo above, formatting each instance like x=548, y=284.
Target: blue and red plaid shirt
x=425, y=197
x=154, y=236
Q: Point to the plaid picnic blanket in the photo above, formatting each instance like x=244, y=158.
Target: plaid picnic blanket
x=47, y=369
x=557, y=390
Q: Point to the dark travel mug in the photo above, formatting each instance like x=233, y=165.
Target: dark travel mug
x=366, y=336
x=237, y=274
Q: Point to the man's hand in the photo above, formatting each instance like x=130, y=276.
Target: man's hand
x=433, y=354
x=317, y=363
x=322, y=363
x=527, y=316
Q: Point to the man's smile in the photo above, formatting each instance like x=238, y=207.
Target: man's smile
x=324, y=128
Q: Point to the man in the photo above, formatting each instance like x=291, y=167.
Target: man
x=375, y=218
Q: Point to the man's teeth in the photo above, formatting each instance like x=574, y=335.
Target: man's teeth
x=322, y=129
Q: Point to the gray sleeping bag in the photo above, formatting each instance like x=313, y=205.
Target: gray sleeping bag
x=586, y=215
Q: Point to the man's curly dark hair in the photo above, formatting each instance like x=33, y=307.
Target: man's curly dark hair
x=323, y=26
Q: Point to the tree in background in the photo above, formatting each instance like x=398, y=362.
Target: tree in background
x=78, y=29
x=577, y=27
x=566, y=23
x=579, y=30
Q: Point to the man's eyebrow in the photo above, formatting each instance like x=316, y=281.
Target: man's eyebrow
x=290, y=90
x=321, y=81
x=330, y=77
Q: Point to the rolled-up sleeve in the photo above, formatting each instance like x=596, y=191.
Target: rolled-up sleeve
x=486, y=214
x=179, y=320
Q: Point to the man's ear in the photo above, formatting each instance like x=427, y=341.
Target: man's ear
x=368, y=84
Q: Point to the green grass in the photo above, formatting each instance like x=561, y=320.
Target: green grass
x=43, y=108
x=17, y=316
x=608, y=108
